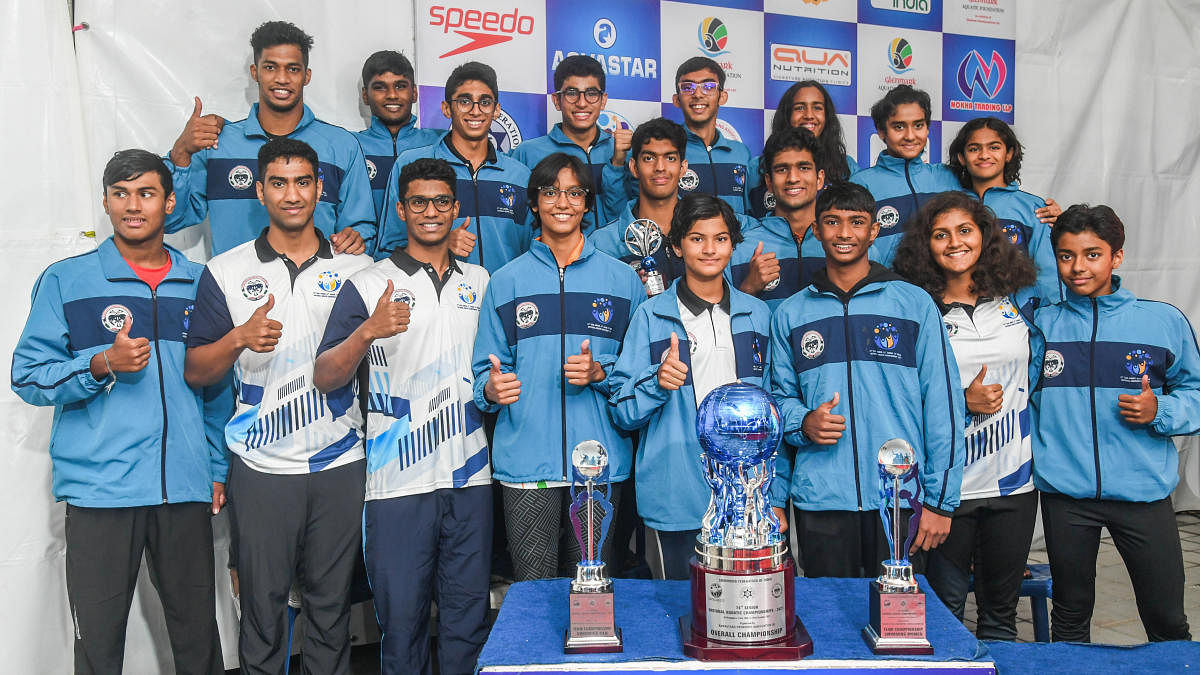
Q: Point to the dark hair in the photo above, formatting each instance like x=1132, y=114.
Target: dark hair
x=386, y=61
x=1012, y=168
x=546, y=172
x=472, y=70
x=579, y=65
x=427, y=168
x=1084, y=218
x=831, y=144
x=132, y=163
x=702, y=206
x=845, y=196
x=285, y=148
x=791, y=138
x=898, y=96
x=275, y=33
x=698, y=63
x=1002, y=268
x=659, y=129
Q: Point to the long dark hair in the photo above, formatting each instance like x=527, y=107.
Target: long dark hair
x=831, y=155
x=1002, y=268
x=1012, y=168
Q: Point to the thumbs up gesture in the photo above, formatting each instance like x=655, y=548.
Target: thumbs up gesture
x=672, y=373
x=128, y=355
x=821, y=425
x=260, y=333
x=389, y=318
x=984, y=399
x=502, y=388
x=762, y=270
x=200, y=132
x=1140, y=408
x=581, y=369
x=462, y=242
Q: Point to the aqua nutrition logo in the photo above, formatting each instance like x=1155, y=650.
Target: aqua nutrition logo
x=714, y=35
x=900, y=55
x=985, y=77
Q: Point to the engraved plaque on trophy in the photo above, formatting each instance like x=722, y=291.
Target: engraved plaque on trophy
x=592, y=626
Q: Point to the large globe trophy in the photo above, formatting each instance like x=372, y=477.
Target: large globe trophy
x=743, y=596
x=592, y=626
x=897, y=603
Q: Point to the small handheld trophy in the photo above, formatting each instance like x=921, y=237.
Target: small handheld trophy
x=643, y=238
x=592, y=625
x=743, y=595
x=897, y=603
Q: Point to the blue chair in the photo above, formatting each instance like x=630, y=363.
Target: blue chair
x=1038, y=588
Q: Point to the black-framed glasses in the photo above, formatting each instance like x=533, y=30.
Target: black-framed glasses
x=550, y=193
x=419, y=204
x=691, y=87
x=571, y=94
x=465, y=103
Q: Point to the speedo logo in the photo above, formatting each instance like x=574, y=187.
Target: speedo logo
x=481, y=28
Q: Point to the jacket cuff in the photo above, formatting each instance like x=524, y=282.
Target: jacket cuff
x=941, y=512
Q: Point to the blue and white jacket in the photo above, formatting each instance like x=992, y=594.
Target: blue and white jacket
x=381, y=148
x=149, y=438
x=797, y=263
x=1094, y=350
x=219, y=183
x=900, y=187
x=672, y=492
x=883, y=349
x=534, y=315
x=493, y=197
x=726, y=169
x=1016, y=209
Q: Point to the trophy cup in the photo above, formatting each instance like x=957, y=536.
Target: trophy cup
x=592, y=626
x=643, y=239
x=897, y=603
x=743, y=595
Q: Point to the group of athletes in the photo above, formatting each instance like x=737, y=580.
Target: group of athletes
x=393, y=321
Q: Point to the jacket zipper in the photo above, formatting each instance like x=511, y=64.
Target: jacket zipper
x=1092, y=390
x=562, y=358
x=713, y=168
x=478, y=228
x=587, y=152
x=162, y=394
x=911, y=190
x=850, y=398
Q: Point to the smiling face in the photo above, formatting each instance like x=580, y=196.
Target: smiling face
x=428, y=227
x=955, y=242
x=846, y=236
x=390, y=98
x=657, y=168
x=580, y=115
x=985, y=156
x=281, y=76
x=137, y=207
x=561, y=215
x=706, y=249
x=794, y=179
x=701, y=105
x=906, y=131
x=473, y=124
x=808, y=110
x=1086, y=263
x=289, y=190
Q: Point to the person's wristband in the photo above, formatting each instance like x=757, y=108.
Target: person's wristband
x=111, y=374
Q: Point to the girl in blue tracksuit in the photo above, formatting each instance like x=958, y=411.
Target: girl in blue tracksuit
x=1116, y=377
x=550, y=328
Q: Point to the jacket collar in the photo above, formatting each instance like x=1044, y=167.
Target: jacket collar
x=719, y=142
x=378, y=128
x=542, y=253
x=876, y=275
x=668, y=307
x=115, y=268
x=892, y=163
x=266, y=253
x=695, y=303
x=560, y=137
x=1119, y=297
x=447, y=148
x=254, y=129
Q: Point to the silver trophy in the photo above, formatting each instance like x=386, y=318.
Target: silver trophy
x=592, y=625
x=643, y=238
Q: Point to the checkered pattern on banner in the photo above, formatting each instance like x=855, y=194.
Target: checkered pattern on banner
x=960, y=51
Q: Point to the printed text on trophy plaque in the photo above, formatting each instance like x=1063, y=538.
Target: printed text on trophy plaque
x=745, y=608
x=591, y=615
x=902, y=615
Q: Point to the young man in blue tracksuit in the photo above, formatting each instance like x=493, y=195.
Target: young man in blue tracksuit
x=550, y=329
x=698, y=335
x=579, y=95
x=390, y=91
x=901, y=181
x=780, y=256
x=857, y=358
x=214, y=163
x=492, y=228
x=1118, y=377
x=138, y=455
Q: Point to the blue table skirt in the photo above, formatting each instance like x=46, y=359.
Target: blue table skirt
x=1070, y=657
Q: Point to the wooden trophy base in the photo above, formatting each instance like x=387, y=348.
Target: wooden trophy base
x=897, y=623
x=797, y=646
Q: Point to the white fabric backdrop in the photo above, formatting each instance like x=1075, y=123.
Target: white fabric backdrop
x=1106, y=92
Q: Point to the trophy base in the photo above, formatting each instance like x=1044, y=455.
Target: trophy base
x=593, y=645
x=592, y=628
x=797, y=646
x=897, y=622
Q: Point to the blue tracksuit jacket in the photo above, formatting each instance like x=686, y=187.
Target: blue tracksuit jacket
x=727, y=170
x=1094, y=350
x=381, y=149
x=219, y=183
x=534, y=316
x=148, y=440
x=672, y=492
x=797, y=263
x=900, y=187
x=883, y=349
x=1014, y=208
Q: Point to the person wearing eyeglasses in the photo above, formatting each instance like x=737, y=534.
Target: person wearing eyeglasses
x=550, y=330
x=579, y=95
x=491, y=228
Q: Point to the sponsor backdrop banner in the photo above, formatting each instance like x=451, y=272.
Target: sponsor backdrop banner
x=960, y=51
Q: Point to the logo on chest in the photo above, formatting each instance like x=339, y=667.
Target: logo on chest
x=406, y=296
x=113, y=317
x=886, y=336
x=1138, y=362
x=527, y=315
x=467, y=295
x=689, y=180
x=812, y=344
x=1053, y=364
x=371, y=170
x=240, y=177
x=888, y=217
x=255, y=288
x=328, y=284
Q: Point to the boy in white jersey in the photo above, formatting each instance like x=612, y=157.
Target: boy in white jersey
x=428, y=515
x=296, y=478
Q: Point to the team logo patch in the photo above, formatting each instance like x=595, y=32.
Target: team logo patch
x=951, y=329
x=371, y=170
x=1053, y=363
x=329, y=281
x=254, y=288
x=756, y=351
x=406, y=296
x=888, y=217
x=602, y=310
x=508, y=195
x=114, y=316
x=689, y=180
x=466, y=293
x=1015, y=234
x=240, y=177
x=812, y=344
x=527, y=314
x=886, y=335
x=714, y=590
x=739, y=175
x=1138, y=362
x=1007, y=310
x=769, y=201
x=187, y=318
x=693, y=343
x=772, y=284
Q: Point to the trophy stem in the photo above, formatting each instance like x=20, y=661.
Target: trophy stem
x=590, y=534
x=897, y=542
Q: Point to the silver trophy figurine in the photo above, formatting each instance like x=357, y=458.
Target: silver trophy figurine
x=592, y=625
x=643, y=238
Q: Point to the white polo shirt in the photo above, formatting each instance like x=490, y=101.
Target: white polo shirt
x=710, y=336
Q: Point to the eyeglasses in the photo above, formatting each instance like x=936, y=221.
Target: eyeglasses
x=571, y=94
x=575, y=195
x=465, y=103
x=691, y=87
x=419, y=204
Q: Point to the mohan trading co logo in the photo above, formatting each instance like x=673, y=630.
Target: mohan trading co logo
x=793, y=63
x=977, y=77
x=900, y=55
x=714, y=35
x=113, y=317
x=240, y=177
x=1138, y=362
x=505, y=132
x=481, y=28
x=910, y=6
x=611, y=121
x=886, y=336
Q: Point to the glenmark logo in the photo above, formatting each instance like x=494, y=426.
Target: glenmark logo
x=481, y=28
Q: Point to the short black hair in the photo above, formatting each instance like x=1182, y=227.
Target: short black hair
x=286, y=148
x=898, y=96
x=386, y=61
x=659, y=129
x=697, y=63
x=579, y=65
x=275, y=33
x=845, y=196
x=546, y=172
x=427, y=168
x=1101, y=220
x=472, y=70
x=129, y=164
x=1012, y=168
x=699, y=206
x=790, y=138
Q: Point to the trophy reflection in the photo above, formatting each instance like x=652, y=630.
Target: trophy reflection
x=643, y=238
x=592, y=626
